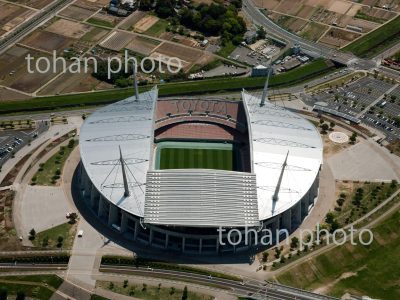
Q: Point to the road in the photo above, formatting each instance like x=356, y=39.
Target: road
x=31, y=24
x=309, y=47
x=256, y=289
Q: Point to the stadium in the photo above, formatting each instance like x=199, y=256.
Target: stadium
x=170, y=172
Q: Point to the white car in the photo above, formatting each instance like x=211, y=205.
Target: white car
x=80, y=233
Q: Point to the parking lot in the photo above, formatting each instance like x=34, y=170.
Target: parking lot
x=375, y=102
x=13, y=140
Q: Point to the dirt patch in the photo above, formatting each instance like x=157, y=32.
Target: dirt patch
x=340, y=7
x=47, y=41
x=71, y=83
x=142, y=45
x=12, y=15
x=339, y=38
x=130, y=21
x=69, y=28
x=14, y=70
x=271, y=4
x=76, y=12
x=290, y=7
x=306, y=12
x=8, y=95
x=34, y=3
x=184, y=53
x=145, y=23
x=313, y=31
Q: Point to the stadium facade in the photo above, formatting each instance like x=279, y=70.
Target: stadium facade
x=169, y=172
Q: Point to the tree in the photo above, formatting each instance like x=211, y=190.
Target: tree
x=111, y=286
x=172, y=291
x=265, y=256
x=324, y=128
x=332, y=124
x=3, y=293
x=185, y=293
x=294, y=242
x=330, y=217
x=32, y=234
x=283, y=259
x=125, y=283
x=60, y=240
x=261, y=33
x=45, y=241
x=144, y=287
x=353, y=138
x=72, y=218
x=20, y=295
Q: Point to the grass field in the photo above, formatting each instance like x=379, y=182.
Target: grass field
x=361, y=270
x=50, y=172
x=34, y=286
x=376, y=41
x=66, y=230
x=149, y=292
x=296, y=76
x=195, y=156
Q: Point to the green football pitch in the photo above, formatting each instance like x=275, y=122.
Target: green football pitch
x=182, y=156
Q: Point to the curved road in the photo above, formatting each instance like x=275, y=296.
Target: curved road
x=260, y=19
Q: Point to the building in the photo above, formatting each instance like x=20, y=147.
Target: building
x=259, y=71
x=170, y=172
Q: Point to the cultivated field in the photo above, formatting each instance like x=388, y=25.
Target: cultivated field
x=11, y=16
x=142, y=45
x=130, y=21
x=145, y=23
x=34, y=3
x=47, y=41
x=14, y=72
x=77, y=12
x=69, y=28
x=117, y=40
x=311, y=19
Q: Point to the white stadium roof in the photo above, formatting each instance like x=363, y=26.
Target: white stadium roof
x=200, y=197
x=276, y=132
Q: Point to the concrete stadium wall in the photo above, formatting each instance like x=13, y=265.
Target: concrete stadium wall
x=131, y=228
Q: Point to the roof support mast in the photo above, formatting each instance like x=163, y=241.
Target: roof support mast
x=278, y=186
x=265, y=91
x=122, y=161
x=135, y=82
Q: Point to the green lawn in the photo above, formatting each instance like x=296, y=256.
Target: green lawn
x=182, y=155
x=299, y=75
x=373, y=270
x=66, y=230
x=50, y=172
x=150, y=292
x=158, y=28
x=376, y=41
x=34, y=286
